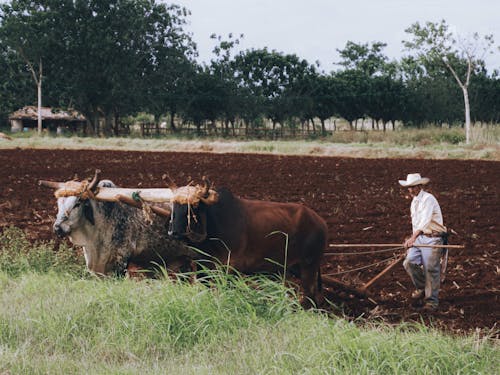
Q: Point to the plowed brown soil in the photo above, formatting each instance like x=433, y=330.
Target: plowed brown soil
x=359, y=198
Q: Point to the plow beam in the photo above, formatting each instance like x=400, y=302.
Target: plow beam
x=341, y=285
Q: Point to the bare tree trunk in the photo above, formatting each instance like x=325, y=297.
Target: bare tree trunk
x=116, y=123
x=313, y=126
x=172, y=122
x=232, y=123
x=39, y=92
x=467, y=115
x=323, y=127
x=95, y=122
x=464, y=86
x=108, y=124
x=38, y=81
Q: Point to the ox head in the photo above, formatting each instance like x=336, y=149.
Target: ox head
x=188, y=220
x=77, y=220
x=74, y=212
x=74, y=208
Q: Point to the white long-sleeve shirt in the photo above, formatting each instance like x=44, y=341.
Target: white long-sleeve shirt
x=426, y=214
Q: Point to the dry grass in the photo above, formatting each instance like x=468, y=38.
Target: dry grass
x=426, y=143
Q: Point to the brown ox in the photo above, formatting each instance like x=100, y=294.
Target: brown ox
x=252, y=236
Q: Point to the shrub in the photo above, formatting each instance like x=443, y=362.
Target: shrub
x=453, y=137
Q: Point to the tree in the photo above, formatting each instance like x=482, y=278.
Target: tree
x=434, y=43
x=127, y=51
x=28, y=28
x=15, y=83
x=222, y=67
x=207, y=99
x=273, y=77
x=322, y=99
x=350, y=87
x=364, y=57
x=102, y=57
x=171, y=67
x=366, y=82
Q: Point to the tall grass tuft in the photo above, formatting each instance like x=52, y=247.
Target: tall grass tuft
x=18, y=255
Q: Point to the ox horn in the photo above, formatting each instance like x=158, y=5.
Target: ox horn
x=51, y=184
x=206, y=187
x=95, y=180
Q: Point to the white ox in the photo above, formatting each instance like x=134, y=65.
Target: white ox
x=114, y=234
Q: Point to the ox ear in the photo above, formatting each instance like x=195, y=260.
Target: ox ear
x=88, y=212
x=211, y=198
x=207, y=194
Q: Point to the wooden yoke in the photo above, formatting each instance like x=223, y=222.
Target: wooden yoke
x=138, y=204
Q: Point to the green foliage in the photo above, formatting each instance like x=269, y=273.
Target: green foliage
x=125, y=51
x=454, y=137
x=134, y=56
x=18, y=255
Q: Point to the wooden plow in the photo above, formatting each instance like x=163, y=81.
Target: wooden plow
x=362, y=291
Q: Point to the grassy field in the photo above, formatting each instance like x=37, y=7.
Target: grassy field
x=431, y=143
x=57, y=319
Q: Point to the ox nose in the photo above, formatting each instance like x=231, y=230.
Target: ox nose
x=171, y=231
x=58, y=230
x=176, y=235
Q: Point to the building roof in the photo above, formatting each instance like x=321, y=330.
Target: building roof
x=31, y=113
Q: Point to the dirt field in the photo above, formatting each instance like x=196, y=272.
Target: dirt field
x=359, y=198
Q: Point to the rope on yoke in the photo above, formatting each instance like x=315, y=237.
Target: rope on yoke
x=146, y=208
x=368, y=252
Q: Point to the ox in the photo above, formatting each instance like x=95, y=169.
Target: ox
x=250, y=235
x=113, y=234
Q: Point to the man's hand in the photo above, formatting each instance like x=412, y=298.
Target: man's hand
x=410, y=241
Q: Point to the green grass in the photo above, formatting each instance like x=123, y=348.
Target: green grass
x=18, y=255
x=59, y=320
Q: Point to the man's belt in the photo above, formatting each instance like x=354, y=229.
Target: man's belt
x=435, y=234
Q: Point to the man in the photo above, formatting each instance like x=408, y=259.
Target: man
x=423, y=264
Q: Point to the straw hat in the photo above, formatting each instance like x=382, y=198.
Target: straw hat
x=414, y=179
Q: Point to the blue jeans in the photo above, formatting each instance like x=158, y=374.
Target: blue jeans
x=423, y=264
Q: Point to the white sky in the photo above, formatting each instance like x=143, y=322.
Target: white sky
x=315, y=29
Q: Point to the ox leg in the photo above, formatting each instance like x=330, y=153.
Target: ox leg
x=311, y=285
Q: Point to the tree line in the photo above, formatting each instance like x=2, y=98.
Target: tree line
x=110, y=59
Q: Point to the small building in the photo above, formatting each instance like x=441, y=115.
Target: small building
x=52, y=119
